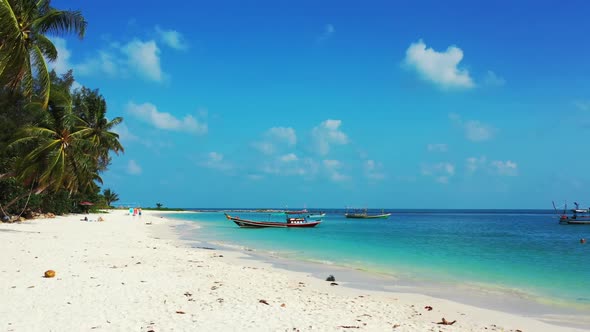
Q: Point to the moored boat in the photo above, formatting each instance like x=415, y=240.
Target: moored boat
x=578, y=216
x=365, y=215
x=316, y=216
x=290, y=222
x=296, y=211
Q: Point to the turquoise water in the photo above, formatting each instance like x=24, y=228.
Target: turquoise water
x=528, y=254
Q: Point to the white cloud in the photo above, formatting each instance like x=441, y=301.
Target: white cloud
x=105, y=63
x=144, y=57
x=583, y=105
x=331, y=163
x=279, y=167
x=75, y=86
x=326, y=134
x=289, y=158
x=439, y=67
x=333, y=168
x=474, y=163
x=497, y=167
x=373, y=170
x=492, y=79
x=441, y=172
x=133, y=168
x=121, y=60
x=474, y=130
x=124, y=134
x=283, y=171
x=215, y=156
x=216, y=160
x=437, y=147
x=274, y=138
x=286, y=134
x=264, y=147
x=108, y=63
x=507, y=168
x=172, y=38
x=477, y=131
x=327, y=33
x=456, y=118
x=149, y=113
x=62, y=64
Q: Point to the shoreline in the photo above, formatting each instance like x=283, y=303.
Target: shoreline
x=484, y=296
x=126, y=274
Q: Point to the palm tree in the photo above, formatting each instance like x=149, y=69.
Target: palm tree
x=24, y=46
x=90, y=106
x=159, y=205
x=59, y=156
x=110, y=196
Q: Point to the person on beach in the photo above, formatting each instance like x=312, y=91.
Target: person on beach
x=139, y=212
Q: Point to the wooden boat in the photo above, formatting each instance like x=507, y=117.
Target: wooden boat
x=296, y=212
x=289, y=223
x=578, y=216
x=365, y=215
x=316, y=216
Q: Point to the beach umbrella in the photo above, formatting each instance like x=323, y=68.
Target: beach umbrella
x=86, y=204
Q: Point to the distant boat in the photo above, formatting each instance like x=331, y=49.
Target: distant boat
x=316, y=216
x=365, y=215
x=296, y=211
x=297, y=222
x=578, y=216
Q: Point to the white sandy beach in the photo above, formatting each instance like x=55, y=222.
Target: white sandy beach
x=125, y=275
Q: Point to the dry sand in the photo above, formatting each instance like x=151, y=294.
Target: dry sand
x=132, y=274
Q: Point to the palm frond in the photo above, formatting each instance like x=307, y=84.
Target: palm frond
x=114, y=122
x=46, y=46
x=42, y=75
x=10, y=32
x=58, y=22
x=12, y=47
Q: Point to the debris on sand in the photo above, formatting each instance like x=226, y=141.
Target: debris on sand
x=446, y=322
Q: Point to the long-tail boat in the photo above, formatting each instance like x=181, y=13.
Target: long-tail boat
x=289, y=222
x=578, y=217
x=316, y=216
x=365, y=215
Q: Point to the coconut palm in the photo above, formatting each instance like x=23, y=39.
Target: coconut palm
x=110, y=196
x=90, y=106
x=159, y=205
x=24, y=46
x=59, y=156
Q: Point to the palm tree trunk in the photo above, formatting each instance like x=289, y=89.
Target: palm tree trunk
x=16, y=199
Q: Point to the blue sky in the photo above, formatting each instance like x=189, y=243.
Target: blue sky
x=341, y=103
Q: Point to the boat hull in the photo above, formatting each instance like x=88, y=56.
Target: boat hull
x=367, y=216
x=575, y=221
x=263, y=224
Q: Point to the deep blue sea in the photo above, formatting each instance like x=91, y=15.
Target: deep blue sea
x=520, y=252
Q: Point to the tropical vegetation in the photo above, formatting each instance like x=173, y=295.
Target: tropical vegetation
x=110, y=197
x=55, y=142
x=24, y=46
